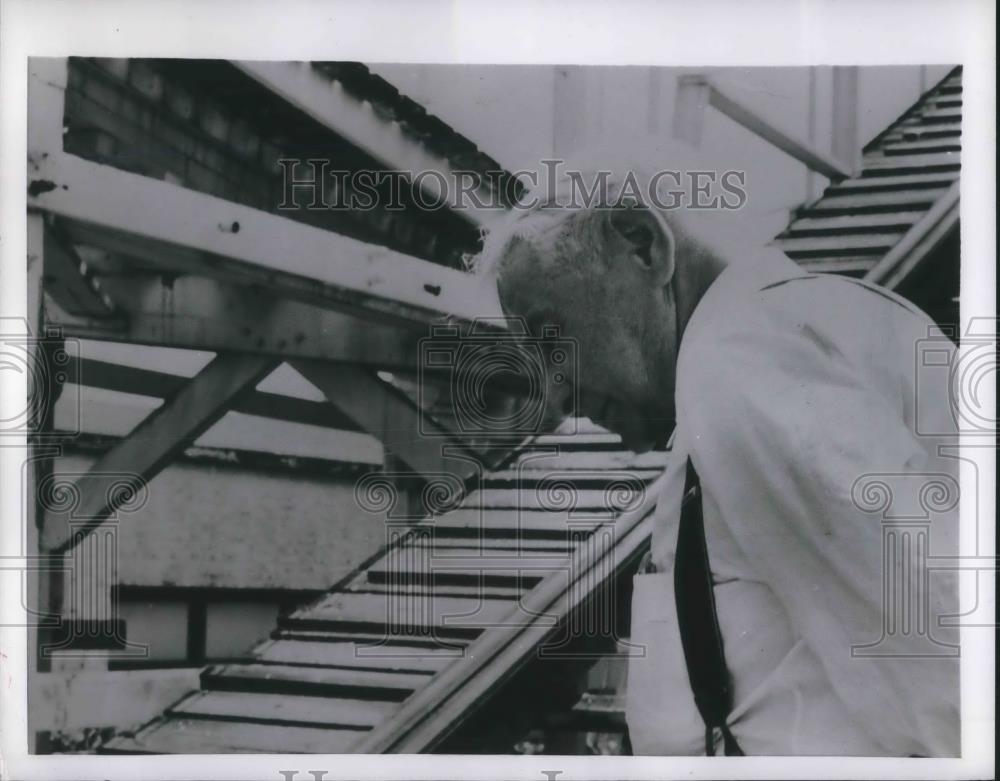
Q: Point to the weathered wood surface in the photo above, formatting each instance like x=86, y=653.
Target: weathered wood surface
x=354, y=656
x=312, y=680
x=211, y=736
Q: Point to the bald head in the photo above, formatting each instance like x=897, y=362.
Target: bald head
x=619, y=279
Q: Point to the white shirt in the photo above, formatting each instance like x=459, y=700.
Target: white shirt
x=797, y=396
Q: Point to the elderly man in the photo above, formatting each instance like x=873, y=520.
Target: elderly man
x=784, y=391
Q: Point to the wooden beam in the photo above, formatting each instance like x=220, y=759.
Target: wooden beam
x=327, y=102
x=406, y=433
x=812, y=158
x=70, y=282
x=205, y=314
x=146, y=382
x=153, y=444
x=175, y=229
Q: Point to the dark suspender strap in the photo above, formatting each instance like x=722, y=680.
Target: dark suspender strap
x=699, y=622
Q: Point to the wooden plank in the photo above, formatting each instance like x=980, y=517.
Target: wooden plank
x=940, y=115
x=431, y=614
x=406, y=433
x=209, y=736
x=166, y=432
x=156, y=384
x=848, y=223
x=555, y=498
x=907, y=146
x=276, y=709
x=854, y=265
x=814, y=159
x=567, y=461
x=66, y=701
x=204, y=314
x=913, y=181
x=885, y=201
x=312, y=681
x=523, y=523
x=876, y=164
x=375, y=638
x=69, y=282
x=841, y=244
x=529, y=479
x=182, y=230
x=588, y=440
x=471, y=569
x=445, y=545
x=467, y=591
x=917, y=133
x=355, y=656
x=326, y=101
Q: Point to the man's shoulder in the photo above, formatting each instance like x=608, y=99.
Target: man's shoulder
x=772, y=317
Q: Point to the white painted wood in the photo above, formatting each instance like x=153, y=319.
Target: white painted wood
x=173, y=228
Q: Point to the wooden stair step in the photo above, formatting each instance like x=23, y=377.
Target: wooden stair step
x=596, y=478
x=209, y=736
x=875, y=165
x=444, y=544
x=554, y=497
x=289, y=709
x=920, y=125
x=852, y=244
x=435, y=616
x=445, y=647
x=313, y=681
x=916, y=181
x=622, y=459
x=940, y=115
x=851, y=223
x=581, y=441
x=854, y=266
x=525, y=524
x=354, y=656
x=917, y=133
x=876, y=201
x=490, y=590
x=951, y=101
x=471, y=569
x=925, y=146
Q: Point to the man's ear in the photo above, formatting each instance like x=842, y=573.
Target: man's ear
x=647, y=237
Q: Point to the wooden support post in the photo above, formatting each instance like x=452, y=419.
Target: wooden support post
x=151, y=446
x=690, y=104
x=44, y=575
x=844, y=143
x=196, y=313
